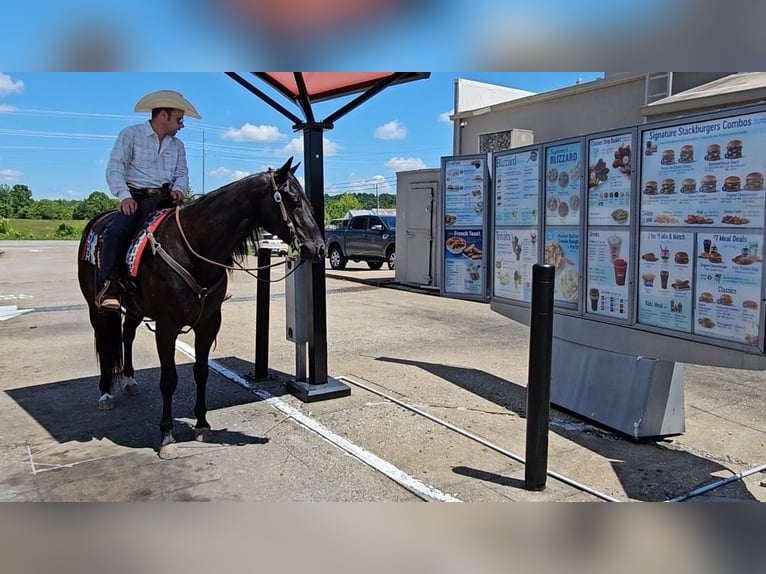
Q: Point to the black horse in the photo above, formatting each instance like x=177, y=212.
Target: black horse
x=181, y=281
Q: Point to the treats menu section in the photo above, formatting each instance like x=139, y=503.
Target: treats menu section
x=516, y=186
x=563, y=233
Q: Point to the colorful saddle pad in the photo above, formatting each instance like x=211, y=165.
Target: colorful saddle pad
x=91, y=248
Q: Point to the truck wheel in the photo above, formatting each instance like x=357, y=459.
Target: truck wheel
x=337, y=261
x=375, y=265
x=391, y=260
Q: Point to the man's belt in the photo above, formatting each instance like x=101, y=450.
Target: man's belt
x=150, y=191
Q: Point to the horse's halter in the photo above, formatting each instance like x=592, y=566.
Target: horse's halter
x=278, y=189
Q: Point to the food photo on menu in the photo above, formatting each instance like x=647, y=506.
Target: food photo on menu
x=665, y=277
x=706, y=173
x=515, y=255
x=463, y=263
x=562, y=250
x=610, y=165
x=729, y=271
x=608, y=285
x=562, y=184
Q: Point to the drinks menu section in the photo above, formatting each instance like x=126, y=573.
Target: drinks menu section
x=665, y=277
x=562, y=250
x=610, y=165
x=728, y=274
x=517, y=188
x=705, y=174
x=607, y=285
x=563, y=170
x=515, y=255
x=464, y=197
x=464, y=261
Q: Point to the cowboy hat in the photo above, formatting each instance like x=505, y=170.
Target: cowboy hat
x=166, y=99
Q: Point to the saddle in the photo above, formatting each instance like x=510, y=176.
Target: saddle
x=91, y=248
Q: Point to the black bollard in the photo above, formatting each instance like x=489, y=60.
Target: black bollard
x=262, y=301
x=539, y=380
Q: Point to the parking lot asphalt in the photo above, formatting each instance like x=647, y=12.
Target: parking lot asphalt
x=436, y=411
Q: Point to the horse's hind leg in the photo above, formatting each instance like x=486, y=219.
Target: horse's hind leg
x=165, y=337
x=106, y=328
x=204, y=335
x=129, y=384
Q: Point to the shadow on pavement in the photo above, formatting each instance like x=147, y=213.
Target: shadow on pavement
x=68, y=410
x=648, y=471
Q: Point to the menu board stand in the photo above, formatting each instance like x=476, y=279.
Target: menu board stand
x=638, y=396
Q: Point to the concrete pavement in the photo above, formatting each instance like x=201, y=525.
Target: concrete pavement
x=436, y=411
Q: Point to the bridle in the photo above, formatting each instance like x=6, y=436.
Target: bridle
x=278, y=189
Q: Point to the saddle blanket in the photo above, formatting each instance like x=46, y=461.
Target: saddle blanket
x=91, y=250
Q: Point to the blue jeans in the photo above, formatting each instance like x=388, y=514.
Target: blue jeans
x=117, y=237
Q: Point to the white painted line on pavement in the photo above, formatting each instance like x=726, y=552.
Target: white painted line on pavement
x=410, y=483
x=11, y=311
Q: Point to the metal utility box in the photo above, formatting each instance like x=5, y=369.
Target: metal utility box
x=296, y=301
x=417, y=226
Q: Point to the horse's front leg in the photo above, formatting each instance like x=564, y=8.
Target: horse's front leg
x=129, y=384
x=165, y=338
x=204, y=335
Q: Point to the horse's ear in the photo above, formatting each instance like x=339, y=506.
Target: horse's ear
x=282, y=171
x=295, y=168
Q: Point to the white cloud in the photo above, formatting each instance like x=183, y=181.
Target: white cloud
x=295, y=147
x=7, y=109
x=393, y=130
x=405, y=163
x=230, y=174
x=251, y=133
x=10, y=174
x=73, y=193
x=445, y=117
x=8, y=86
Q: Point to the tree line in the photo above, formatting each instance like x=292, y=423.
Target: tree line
x=16, y=202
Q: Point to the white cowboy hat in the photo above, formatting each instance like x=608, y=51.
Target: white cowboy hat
x=166, y=99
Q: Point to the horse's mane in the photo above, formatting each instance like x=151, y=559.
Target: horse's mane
x=248, y=243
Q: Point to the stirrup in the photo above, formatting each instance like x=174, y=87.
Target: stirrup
x=106, y=300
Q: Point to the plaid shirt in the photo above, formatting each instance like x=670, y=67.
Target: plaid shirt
x=139, y=160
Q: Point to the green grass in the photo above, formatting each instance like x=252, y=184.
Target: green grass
x=43, y=229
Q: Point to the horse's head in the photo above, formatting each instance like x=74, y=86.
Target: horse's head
x=296, y=223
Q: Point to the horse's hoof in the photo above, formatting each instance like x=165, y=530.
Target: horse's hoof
x=130, y=387
x=202, y=435
x=106, y=402
x=168, y=452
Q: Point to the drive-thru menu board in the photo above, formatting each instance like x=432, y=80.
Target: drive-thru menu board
x=702, y=216
x=516, y=180
x=464, y=184
x=608, y=289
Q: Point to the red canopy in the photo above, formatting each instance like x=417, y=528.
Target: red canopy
x=318, y=86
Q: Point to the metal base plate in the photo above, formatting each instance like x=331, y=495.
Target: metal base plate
x=308, y=393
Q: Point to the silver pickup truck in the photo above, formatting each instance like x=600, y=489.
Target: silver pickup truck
x=369, y=238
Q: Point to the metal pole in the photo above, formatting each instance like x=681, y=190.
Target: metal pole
x=262, y=299
x=317, y=319
x=539, y=380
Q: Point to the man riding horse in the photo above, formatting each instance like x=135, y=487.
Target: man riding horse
x=147, y=165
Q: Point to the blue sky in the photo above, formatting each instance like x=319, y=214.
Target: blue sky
x=57, y=129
